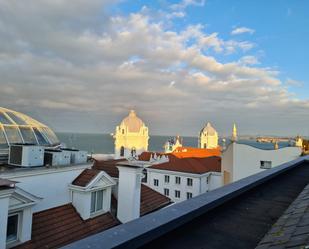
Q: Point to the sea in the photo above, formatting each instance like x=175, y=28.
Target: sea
x=104, y=143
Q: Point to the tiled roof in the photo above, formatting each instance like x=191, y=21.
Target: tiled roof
x=183, y=152
x=191, y=165
x=151, y=200
x=85, y=177
x=145, y=156
x=59, y=226
x=109, y=166
x=292, y=229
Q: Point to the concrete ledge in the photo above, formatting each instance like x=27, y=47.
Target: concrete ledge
x=147, y=228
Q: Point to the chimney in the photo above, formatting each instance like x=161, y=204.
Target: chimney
x=129, y=191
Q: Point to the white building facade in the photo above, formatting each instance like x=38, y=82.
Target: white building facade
x=241, y=160
x=180, y=186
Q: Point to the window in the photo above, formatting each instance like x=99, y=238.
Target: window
x=122, y=151
x=16, y=119
x=3, y=142
x=189, y=195
x=41, y=139
x=4, y=119
x=265, y=164
x=13, y=134
x=166, y=179
x=122, y=131
x=177, y=180
x=133, y=152
x=156, y=182
x=166, y=192
x=96, y=201
x=177, y=193
x=12, y=228
x=189, y=181
x=28, y=135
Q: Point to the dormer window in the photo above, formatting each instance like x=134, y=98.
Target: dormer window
x=96, y=201
x=12, y=228
x=91, y=193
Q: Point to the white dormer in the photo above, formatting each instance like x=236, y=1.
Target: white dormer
x=15, y=216
x=91, y=193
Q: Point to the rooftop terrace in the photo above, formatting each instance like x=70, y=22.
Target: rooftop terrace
x=237, y=215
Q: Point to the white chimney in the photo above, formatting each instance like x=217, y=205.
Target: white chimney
x=129, y=191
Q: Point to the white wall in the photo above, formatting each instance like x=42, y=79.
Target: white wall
x=199, y=183
x=47, y=183
x=242, y=160
x=4, y=209
x=82, y=202
x=129, y=193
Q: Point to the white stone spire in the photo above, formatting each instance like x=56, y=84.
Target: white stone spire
x=234, y=134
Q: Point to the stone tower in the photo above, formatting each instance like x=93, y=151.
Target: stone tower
x=208, y=138
x=131, y=137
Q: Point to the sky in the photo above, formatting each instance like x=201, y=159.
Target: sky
x=81, y=65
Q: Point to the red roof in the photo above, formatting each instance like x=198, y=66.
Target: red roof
x=62, y=225
x=85, y=177
x=151, y=200
x=192, y=165
x=109, y=166
x=184, y=152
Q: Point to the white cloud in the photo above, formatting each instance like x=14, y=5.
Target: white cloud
x=86, y=72
x=249, y=60
x=292, y=82
x=242, y=30
x=186, y=3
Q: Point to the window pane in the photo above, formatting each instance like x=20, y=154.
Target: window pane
x=12, y=134
x=42, y=140
x=4, y=119
x=99, y=200
x=28, y=135
x=93, y=200
x=3, y=142
x=50, y=135
x=12, y=228
x=16, y=119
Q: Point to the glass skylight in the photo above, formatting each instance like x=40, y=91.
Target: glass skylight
x=16, y=127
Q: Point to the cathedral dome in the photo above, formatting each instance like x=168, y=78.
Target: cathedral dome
x=208, y=129
x=132, y=122
x=16, y=127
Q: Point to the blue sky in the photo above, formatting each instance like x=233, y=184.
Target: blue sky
x=178, y=63
x=281, y=30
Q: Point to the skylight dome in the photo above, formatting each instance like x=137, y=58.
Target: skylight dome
x=16, y=127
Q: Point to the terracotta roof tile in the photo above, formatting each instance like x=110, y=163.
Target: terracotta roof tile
x=151, y=200
x=85, y=177
x=183, y=152
x=192, y=165
x=62, y=225
x=109, y=166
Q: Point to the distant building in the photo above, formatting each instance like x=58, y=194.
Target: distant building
x=208, y=137
x=234, y=133
x=299, y=141
x=131, y=137
x=183, y=178
x=172, y=144
x=241, y=160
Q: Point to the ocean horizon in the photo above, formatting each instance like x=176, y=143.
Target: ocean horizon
x=103, y=143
